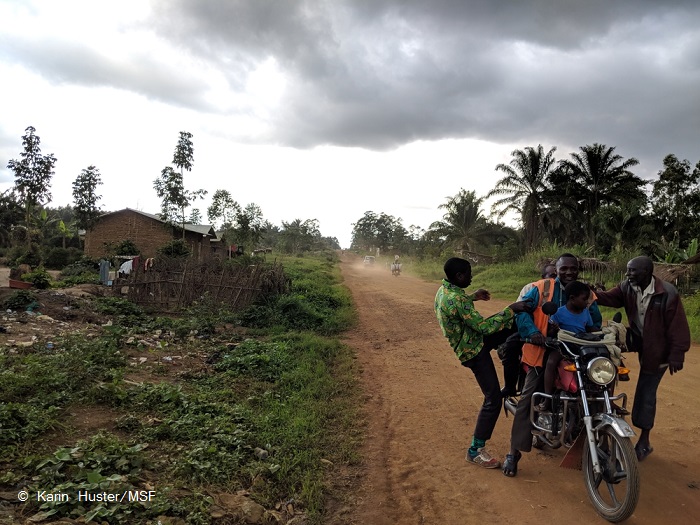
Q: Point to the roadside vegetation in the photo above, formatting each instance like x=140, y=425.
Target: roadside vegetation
x=196, y=408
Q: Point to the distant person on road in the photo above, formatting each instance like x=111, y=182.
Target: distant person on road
x=472, y=337
x=658, y=332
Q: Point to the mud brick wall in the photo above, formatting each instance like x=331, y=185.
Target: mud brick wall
x=147, y=234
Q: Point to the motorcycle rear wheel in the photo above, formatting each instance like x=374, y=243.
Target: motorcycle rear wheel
x=615, y=492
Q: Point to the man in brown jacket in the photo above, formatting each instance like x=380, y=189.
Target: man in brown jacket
x=658, y=332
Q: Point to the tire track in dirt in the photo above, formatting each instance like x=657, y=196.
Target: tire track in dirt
x=421, y=407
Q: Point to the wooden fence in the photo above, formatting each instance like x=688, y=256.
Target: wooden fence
x=171, y=284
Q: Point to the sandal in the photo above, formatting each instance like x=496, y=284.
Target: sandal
x=510, y=465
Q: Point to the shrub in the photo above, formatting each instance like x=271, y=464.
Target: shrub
x=19, y=300
x=40, y=278
x=176, y=248
x=79, y=267
x=126, y=247
x=20, y=255
x=57, y=258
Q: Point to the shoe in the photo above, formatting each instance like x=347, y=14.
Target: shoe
x=510, y=465
x=643, y=452
x=621, y=411
x=483, y=459
x=508, y=391
x=544, y=406
x=544, y=421
x=624, y=377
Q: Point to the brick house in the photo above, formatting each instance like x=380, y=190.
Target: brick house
x=147, y=232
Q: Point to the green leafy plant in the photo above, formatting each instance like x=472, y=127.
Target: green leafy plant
x=176, y=248
x=101, y=464
x=40, y=278
x=19, y=300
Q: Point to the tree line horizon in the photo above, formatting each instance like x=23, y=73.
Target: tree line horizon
x=592, y=200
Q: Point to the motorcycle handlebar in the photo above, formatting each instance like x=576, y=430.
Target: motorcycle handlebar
x=554, y=343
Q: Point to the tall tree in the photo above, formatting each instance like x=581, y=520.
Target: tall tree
x=183, y=157
x=523, y=188
x=675, y=199
x=195, y=216
x=33, y=173
x=299, y=236
x=596, y=176
x=376, y=231
x=626, y=227
x=463, y=227
x=170, y=187
x=11, y=214
x=250, y=225
x=85, y=197
x=223, y=210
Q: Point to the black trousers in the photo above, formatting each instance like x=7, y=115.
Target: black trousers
x=485, y=373
x=521, y=433
x=644, y=406
x=510, y=356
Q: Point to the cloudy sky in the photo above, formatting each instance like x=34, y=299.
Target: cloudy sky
x=324, y=110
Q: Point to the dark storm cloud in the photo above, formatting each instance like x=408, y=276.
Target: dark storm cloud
x=381, y=73
x=378, y=74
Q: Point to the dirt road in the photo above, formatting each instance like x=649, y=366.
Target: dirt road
x=421, y=408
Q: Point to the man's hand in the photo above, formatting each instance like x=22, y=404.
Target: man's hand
x=675, y=366
x=482, y=295
x=537, y=339
x=521, y=306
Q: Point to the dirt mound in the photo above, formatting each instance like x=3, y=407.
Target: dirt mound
x=54, y=312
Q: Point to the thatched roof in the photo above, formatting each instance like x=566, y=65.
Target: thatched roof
x=594, y=265
x=672, y=272
x=695, y=259
x=587, y=264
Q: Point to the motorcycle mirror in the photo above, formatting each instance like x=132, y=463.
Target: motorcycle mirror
x=549, y=308
x=617, y=318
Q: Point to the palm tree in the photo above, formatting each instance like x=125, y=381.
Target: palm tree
x=463, y=227
x=523, y=188
x=597, y=176
x=626, y=226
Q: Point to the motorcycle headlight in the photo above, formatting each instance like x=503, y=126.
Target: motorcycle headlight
x=601, y=371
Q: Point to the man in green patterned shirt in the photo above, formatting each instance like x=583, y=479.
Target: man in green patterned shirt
x=472, y=337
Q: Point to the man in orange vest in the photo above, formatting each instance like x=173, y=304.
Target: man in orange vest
x=532, y=328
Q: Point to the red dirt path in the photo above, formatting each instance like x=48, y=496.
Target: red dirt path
x=421, y=407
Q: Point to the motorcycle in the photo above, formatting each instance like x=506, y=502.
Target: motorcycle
x=584, y=419
x=395, y=269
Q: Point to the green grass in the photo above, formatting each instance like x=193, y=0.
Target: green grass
x=287, y=387
x=316, y=301
x=692, y=311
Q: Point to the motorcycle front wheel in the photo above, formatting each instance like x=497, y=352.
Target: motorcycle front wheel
x=615, y=491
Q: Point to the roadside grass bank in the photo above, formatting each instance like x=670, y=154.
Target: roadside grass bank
x=505, y=280
x=187, y=413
